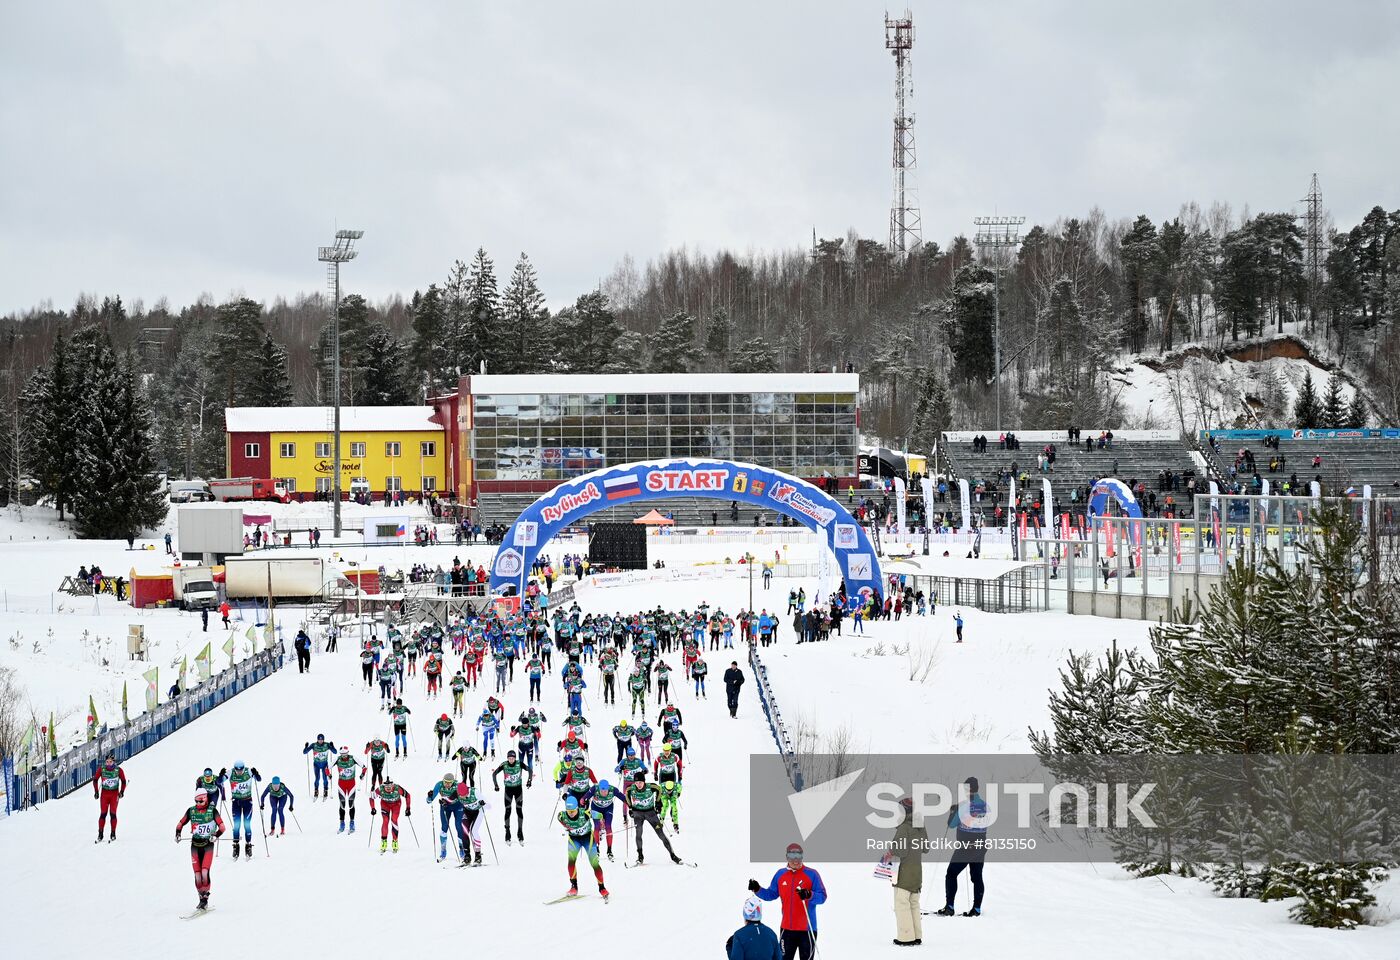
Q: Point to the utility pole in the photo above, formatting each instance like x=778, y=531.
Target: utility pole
x=342, y=251
x=906, y=232
x=997, y=234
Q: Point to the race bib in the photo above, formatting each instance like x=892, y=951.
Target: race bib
x=205, y=830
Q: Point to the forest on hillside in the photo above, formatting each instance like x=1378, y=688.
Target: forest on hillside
x=1077, y=298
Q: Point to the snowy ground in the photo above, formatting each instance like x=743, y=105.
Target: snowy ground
x=978, y=697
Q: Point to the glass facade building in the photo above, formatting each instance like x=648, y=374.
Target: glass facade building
x=539, y=430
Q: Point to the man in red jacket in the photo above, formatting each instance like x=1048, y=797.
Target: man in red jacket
x=108, y=786
x=799, y=889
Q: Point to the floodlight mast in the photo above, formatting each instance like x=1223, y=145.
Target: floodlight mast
x=343, y=251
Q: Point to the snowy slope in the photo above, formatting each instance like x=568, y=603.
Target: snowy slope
x=319, y=889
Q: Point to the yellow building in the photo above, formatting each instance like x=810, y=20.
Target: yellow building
x=383, y=448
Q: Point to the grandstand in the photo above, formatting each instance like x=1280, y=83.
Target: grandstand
x=1347, y=460
x=1135, y=456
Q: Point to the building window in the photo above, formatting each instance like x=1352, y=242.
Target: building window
x=429, y=484
x=252, y=450
x=286, y=450
x=289, y=484
x=323, y=449
x=428, y=448
x=392, y=484
x=357, y=449
x=392, y=448
x=323, y=484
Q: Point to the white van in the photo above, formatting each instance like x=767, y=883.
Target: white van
x=189, y=491
x=359, y=486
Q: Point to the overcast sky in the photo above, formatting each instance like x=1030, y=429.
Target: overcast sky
x=154, y=148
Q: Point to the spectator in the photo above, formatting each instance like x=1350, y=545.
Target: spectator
x=302, y=645
x=754, y=940
x=910, y=842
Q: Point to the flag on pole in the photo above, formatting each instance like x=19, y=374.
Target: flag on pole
x=184, y=667
x=125, y=718
x=269, y=636
x=53, y=740
x=91, y=718
x=152, y=689
x=252, y=636
x=203, y=668
x=26, y=745
x=228, y=647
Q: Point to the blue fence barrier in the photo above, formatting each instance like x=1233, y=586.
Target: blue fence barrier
x=775, y=718
x=76, y=767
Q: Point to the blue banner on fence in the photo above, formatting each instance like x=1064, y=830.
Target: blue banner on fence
x=1320, y=433
x=76, y=767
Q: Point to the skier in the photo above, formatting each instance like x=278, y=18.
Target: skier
x=432, y=668
x=240, y=785
x=733, y=680
x=459, y=690
x=212, y=783
x=471, y=662
x=398, y=714
x=572, y=744
x=534, y=669
x=321, y=752
x=969, y=818
x=754, y=940
x=390, y=796
x=957, y=619
x=630, y=767
x=367, y=665
x=488, y=723
x=578, y=825
x=388, y=673
x=377, y=750
x=281, y=798
x=637, y=686
x=345, y=769
x=474, y=809
x=675, y=740
x=670, y=803
x=698, y=670
x=601, y=805
x=641, y=799
x=607, y=663
x=663, y=682
x=449, y=810
x=668, y=712
x=623, y=734
x=800, y=890
x=577, y=780
x=668, y=765
x=444, y=730
x=206, y=826
x=108, y=787
x=644, y=735
x=467, y=759
x=515, y=794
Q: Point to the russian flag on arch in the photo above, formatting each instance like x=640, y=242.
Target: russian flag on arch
x=400, y=531
x=626, y=485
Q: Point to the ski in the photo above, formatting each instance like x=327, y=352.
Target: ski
x=197, y=914
x=567, y=896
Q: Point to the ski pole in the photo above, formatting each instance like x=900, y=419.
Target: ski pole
x=409, y=817
x=263, y=821
x=369, y=834
x=489, y=837
x=294, y=819
x=307, y=758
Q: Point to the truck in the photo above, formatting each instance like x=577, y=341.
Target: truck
x=189, y=491
x=193, y=588
x=248, y=488
x=282, y=577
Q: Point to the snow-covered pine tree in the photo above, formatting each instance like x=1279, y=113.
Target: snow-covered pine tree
x=1356, y=412
x=719, y=331
x=1333, y=409
x=52, y=405
x=672, y=346
x=754, y=355
x=525, y=322
x=483, y=332
x=116, y=493
x=1307, y=413
x=268, y=384
x=385, y=380
x=430, y=352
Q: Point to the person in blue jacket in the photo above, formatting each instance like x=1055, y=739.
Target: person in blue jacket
x=969, y=818
x=800, y=890
x=754, y=940
x=281, y=797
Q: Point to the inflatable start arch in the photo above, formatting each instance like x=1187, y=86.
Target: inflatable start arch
x=745, y=483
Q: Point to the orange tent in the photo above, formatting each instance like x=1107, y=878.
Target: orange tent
x=654, y=519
